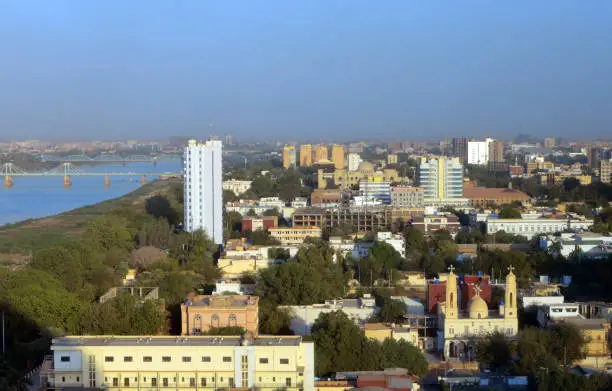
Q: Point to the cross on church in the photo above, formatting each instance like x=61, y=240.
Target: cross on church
x=511, y=268
x=477, y=289
x=451, y=268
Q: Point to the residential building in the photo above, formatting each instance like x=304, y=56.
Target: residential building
x=304, y=316
x=320, y=153
x=338, y=156
x=532, y=226
x=254, y=223
x=496, y=152
x=459, y=331
x=238, y=187
x=382, y=331
x=550, y=142
x=119, y=363
x=605, y=171
x=293, y=235
x=378, y=190
x=203, y=188
x=299, y=202
x=289, y=159
x=353, y=161
x=200, y=313
x=483, y=197
x=396, y=241
x=442, y=181
x=594, y=156
x=229, y=286
x=365, y=171
x=391, y=159
x=584, y=245
x=478, y=152
x=433, y=222
x=407, y=196
x=305, y=155
x=459, y=147
x=325, y=197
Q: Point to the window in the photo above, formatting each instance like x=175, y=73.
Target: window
x=65, y=359
x=232, y=321
x=165, y=382
x=147, y=359
x=63, y=379
x=115, y=382
x=227, y=359
x=205, y=358
x=127, y=359
x=154, y=381
x=263, y=360
x=288, y=382
x=109, y=359
x=231, y=381
x=192, y=382
x=203, y=382
x=214, y=321
x=284, y=361
x=126, y=381
x=78, y=379
x=186, y=359
x=166, y=359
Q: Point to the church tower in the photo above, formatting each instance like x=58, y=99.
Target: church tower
x=510, y=310
x=451, y=295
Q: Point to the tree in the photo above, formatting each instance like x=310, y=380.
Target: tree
x=393, y=311
x=496, y=351
x=509, y=212
x=263, y=187
x=108, y=232
x=229, y=196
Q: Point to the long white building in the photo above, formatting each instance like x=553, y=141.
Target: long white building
x=478, y=152
x=203, y=188
x=530, y=227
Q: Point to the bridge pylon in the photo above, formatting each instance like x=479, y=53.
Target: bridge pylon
x=107, y=181
x=8, y=181
x=67, y=181
x=143, y=180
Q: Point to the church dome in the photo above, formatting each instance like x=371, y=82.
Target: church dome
x=366, y=168
x=478, y=308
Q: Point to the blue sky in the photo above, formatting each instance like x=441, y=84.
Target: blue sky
x=278, y=69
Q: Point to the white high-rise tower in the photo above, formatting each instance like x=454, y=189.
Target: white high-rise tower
x=203, y=188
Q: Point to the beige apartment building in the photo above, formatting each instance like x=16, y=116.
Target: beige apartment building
x=153, y=363
x=200, y=313
x=294, y=235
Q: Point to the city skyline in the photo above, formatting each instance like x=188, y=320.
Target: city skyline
x=399, y=70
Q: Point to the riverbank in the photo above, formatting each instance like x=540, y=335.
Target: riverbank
x=18, y=241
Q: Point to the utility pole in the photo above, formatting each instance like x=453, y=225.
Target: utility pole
x=3, y=339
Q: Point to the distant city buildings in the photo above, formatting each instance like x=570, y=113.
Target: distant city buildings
x=305, y=155
x=203, y=188
x=354, y=160
x=338, y=156
x=237, y=187
x=407, y=196
x=550, y=142
x=459, y=148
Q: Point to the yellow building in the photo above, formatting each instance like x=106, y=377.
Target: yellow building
x=391, y=158
x=293, y=235
x=306, y=155
x=156, y=363
x=289, y=156
x=320, y=152
x=382, y=331
x=458, y=331
x=365, y=171
x=338, y=156
x=235, y=266
x=200, y=313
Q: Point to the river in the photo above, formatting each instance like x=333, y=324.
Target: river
x=35, y=197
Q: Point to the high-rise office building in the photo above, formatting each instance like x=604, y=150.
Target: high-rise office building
x=228, y=139
x=459, y=148
x=442, y=181
x=306, y=155
x=496, y=151
x=320, y=152
x=478, y=152
x=605, y=171
x=204, y=188
x=338, y=156
x=289, y=156
x=594, y=157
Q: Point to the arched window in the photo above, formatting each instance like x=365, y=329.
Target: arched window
x=214, y=321
x=452, y=299
x=232, y=321
x=511, y=301
x=197, y=325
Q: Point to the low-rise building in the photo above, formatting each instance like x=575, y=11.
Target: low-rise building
x=238, y=187
x=325, y=197
x=200, y=313
x=530, y=226
x=396, y=241
x=378, y=190
x=482, y=197
x=435, y=222
x=382, y=331
x=359, y=310
x=292, y=236
x=228, y=286
x=407, y=196
x=254, y=223
x=118, y=363
x=587, y=244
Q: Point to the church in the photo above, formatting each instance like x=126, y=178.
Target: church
x=458, y=330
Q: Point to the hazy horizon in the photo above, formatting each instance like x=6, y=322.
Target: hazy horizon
x=305, y=70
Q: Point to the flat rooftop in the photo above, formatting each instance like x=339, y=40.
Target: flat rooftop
x=223, y=301
x=105, y=340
